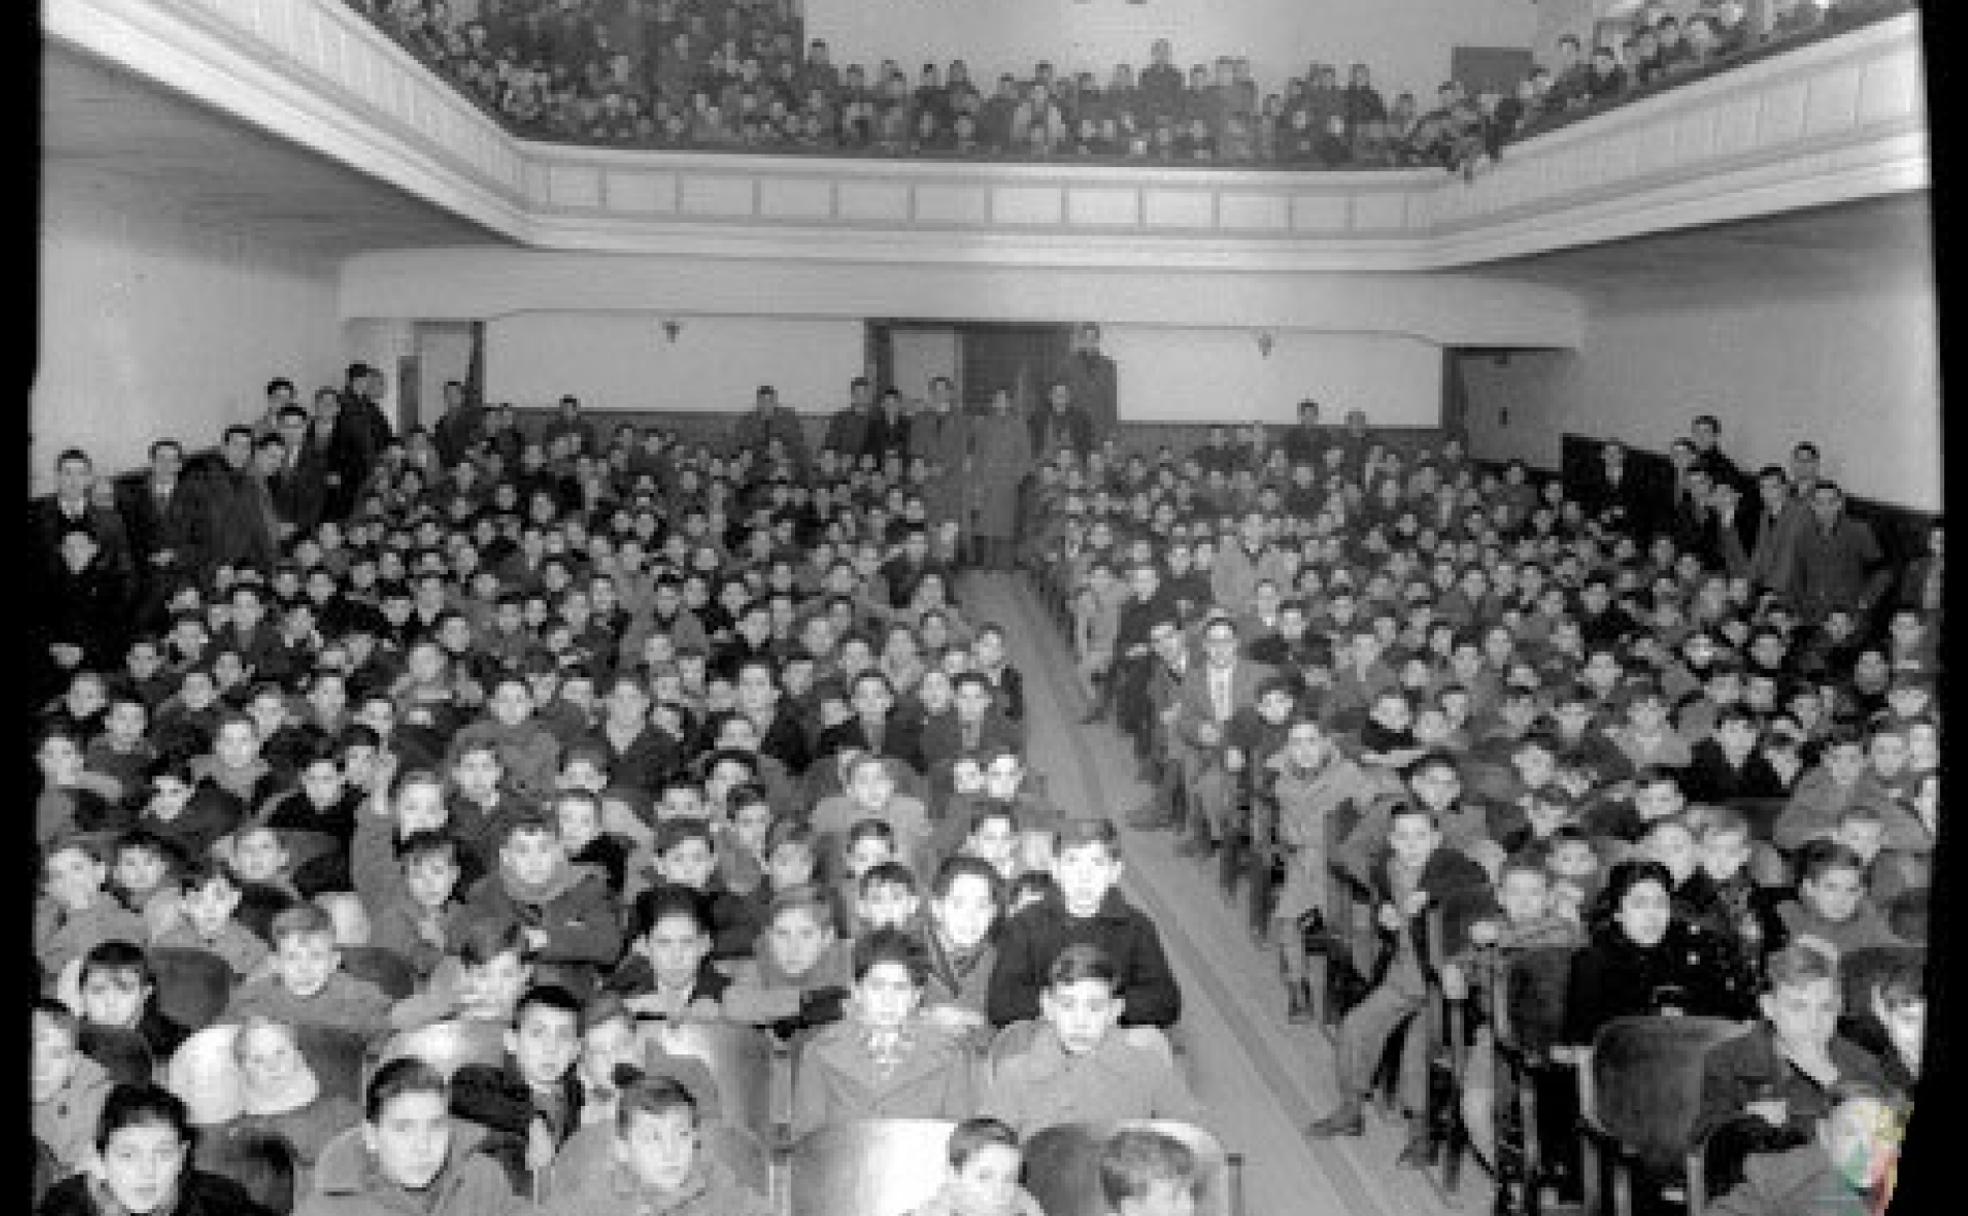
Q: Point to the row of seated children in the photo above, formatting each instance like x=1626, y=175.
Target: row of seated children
x=650, y=1153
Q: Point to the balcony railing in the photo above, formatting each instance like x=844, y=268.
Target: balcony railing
x=1831, y=120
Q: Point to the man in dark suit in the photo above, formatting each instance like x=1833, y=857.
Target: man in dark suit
x=976, y=726
x=1060, y=422
x=70, y=506
x=1614, y=495
x=1212, y=693
x=156, y=507
x=1093, y=381
x=298, y=484
x=875, y=726
x=887, y=429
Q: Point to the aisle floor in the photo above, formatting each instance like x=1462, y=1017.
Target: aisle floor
x=1261, y=1078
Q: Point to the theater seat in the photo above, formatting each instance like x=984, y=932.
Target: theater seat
x=193, y=985
x=1638, y=1101
x=1062, y=1167
x=740, y=1060
x=868, y=1167
x=383, y=967
x=337, y=1056
x=449, y=1045
x=262, y=1162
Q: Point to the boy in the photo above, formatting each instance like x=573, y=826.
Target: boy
x=1312, y=778
x=686, y=856
x=1840, y=778
x=1523, y=892
x=1721, y=896
x=965, y=898
x=143, y=876
x=1412, y=872
x=668, y=972
x=119, y=991
x=1148, y=1173
x=886, y=898
x=869, y=843
x=657, y=1163
x=985, y=1162
x=479, y=980
x=1087, y=867
x=413, y=1153
x=205, y=921
x=882, y=1060
x=803, y=972
x=1831, y=911
x=75, y=911
x=531, y=1103
x=577, y=818
x=528, y=751
x=68, y=1088
x=1076, y=1069
x=306, y=985
x=263, y=868
x=568, y=917
x=1573, y=863
x=427, y=917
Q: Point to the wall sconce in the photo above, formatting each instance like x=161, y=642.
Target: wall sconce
x=671, y=328
x=1265, y=341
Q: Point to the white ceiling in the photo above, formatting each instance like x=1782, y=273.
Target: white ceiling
x=224, y=171
x=212, y=165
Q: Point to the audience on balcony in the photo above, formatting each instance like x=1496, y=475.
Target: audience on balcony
x=731, y=74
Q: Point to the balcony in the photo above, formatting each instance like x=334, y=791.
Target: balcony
x=1831, y=121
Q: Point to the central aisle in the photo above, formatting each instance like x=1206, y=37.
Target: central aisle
x=1261, y=1078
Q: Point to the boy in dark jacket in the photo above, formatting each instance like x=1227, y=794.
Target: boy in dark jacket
x=1086, y=865
x=1411, y=874
x=570, y=920
x=531, y=1103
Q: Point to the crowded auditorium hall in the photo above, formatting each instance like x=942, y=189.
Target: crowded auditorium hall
x=984, y=608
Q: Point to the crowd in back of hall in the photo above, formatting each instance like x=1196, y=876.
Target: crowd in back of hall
x=733, y=74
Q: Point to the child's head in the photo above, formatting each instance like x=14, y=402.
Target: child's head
x=798, y=929
x=656, y=1132
x=1830, y=879
x=406, y=1122
x=1148, y=1173
x=789, y=854
x=270, y=1063
x=886, y=896
x=73, y=871
x=56, y=1032
x=1523, y=890
x=494, y=966
x=143, y=1139
x=964, y=900
x=1670, y=840
x=1031, y=887
x=258, y=854
x=1086, y=863
x=1570, y=855
x=577, y=818
x=686, y=853
x=477, y=768
x=1412, y=832
x=116, y=984
x=532, y=852
x=545, y=1038
x=1861, y=828
x=673, y=931
x=993, y=835
x=1899, y=1001
x=985, y=1161
x=1082, y=999
x=430, y=867
x=869, y=843
x=869, y=783
x=304, y=954
x=350, y=918
x=1657, y=792
x=890, y=969
x=1800, y=995
x=1724, y=844
x=751, y=816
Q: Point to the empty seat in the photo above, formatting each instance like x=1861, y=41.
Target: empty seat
x=869, y=1167
x=1638, y=1101
x=1062, y=1167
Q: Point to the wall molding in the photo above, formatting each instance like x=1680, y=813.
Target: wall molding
x=1830, y=121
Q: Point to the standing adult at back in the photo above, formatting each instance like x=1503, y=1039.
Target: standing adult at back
x=461, y=427
x=70, y=506
x=234, y=522
x=361, y=430
x=941, y=435
x=1060, y=422
x=767, y=421
x=1094, y=382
